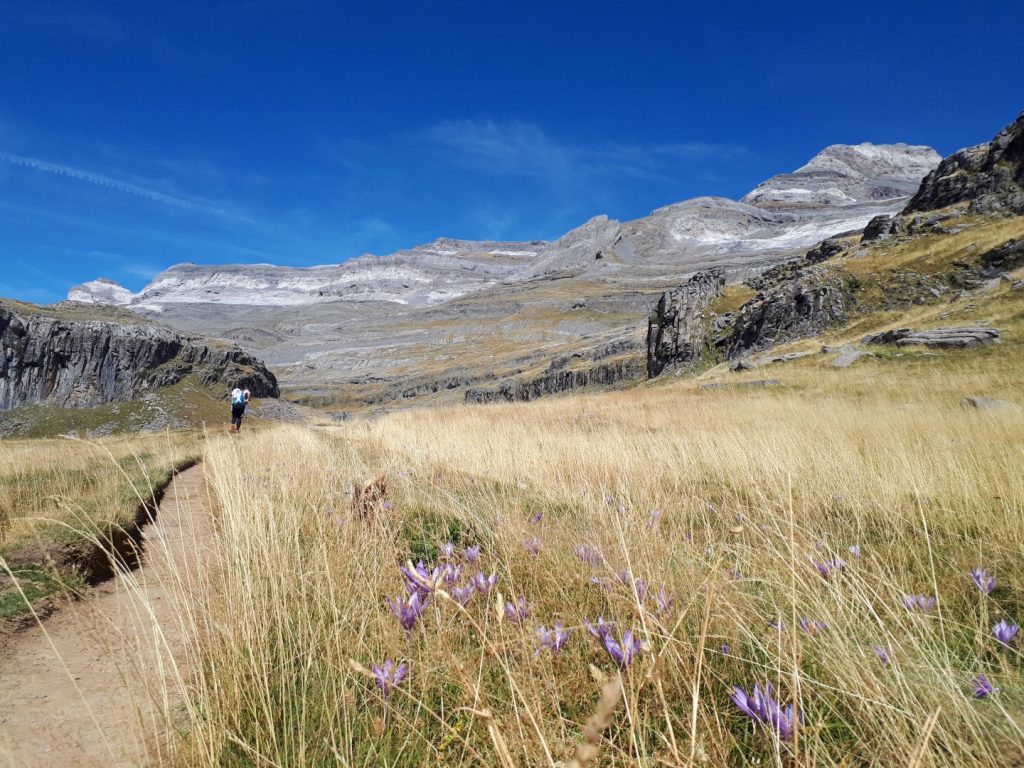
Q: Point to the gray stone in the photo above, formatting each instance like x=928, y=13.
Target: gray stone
x=988, y=404
x=714, y=385
x=760, y=383
x=677, y=334
x=803, y=305
x=939, y=338
x=989, y=176
x=739, y=366
x=789, y=357
x=848, y=355
x=881, y=226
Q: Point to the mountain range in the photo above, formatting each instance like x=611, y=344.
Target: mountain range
x=451, y=314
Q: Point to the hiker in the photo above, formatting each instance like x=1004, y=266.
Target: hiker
x=239, y=399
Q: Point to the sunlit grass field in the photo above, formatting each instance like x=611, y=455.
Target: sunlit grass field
x=61, y=499
x=742, y=537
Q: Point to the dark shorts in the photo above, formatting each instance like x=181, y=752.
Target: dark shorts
x=237, y=409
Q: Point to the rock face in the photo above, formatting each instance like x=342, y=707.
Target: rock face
x=803, y=305
x=677, y=330
x=556, y=381
x=989, y=176
x=82, y=363
x=939, y=338
x=1004, y=258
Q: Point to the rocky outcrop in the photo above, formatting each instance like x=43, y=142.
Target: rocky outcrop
x=940, y=338
x=1004, y=258
x=47, y=357
x=677, y=330
x=804, y=305
x=555, y=381
x=989, y=176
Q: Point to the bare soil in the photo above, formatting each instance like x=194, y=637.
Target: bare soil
x=100, y=682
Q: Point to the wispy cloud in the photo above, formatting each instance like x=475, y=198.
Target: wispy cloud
x=195, y=205
x=525, y=148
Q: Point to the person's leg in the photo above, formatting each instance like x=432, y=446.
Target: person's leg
x=241, y=413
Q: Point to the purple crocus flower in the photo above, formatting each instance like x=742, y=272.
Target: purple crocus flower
x=451, y=573
x=625, y=650
x=600, y=581
x=663, y=601
x=883, y=655
x=812, y=627
x=407, y=610
x=420, y=580
x=517, y=611
x=448, y=550
x=1004, y=632
x=726, y=649
x=532, y=546
x=537, y=517
x=599, y=629
x=982, y=686
x=740, y=517
x=473, y=553
x=777, y=624
x=654, y=518
x=985, y=581
x=819, y=546
x=389, y=676
x=761, y=707
x=920, y=603
x=854, y=550
x=464, y=594
x=552, y=639
x=484, y=584
x=828, y=567
x=588, y=554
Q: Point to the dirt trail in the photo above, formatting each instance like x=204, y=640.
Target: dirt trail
x=84, y=689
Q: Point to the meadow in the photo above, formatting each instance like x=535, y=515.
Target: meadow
x=62, y=502
x=605, y=579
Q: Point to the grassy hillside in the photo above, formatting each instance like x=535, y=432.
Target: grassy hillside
x=744, y=535
x=63, y=501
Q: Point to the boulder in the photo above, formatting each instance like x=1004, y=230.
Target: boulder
x=848, y=355
x=1004, y=258
x=988, y=404
x=881, y=226
x=938, y=338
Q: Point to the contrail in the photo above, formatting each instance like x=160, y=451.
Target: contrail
x=121, y=186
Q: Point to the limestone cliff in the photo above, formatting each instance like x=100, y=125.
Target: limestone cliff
x=989, y=176
x=63, y=357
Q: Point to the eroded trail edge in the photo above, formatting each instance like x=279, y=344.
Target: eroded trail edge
x=97, y=683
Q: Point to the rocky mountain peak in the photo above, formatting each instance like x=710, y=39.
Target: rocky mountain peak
x=847, y=175
x=990, y=176
x=101, y=291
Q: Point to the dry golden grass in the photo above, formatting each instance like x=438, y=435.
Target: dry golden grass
x=752, y=487
x=63, y=495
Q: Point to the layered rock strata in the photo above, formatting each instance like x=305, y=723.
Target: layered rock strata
x=45, y=358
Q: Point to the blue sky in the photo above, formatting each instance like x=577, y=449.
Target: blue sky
x=138, y=135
